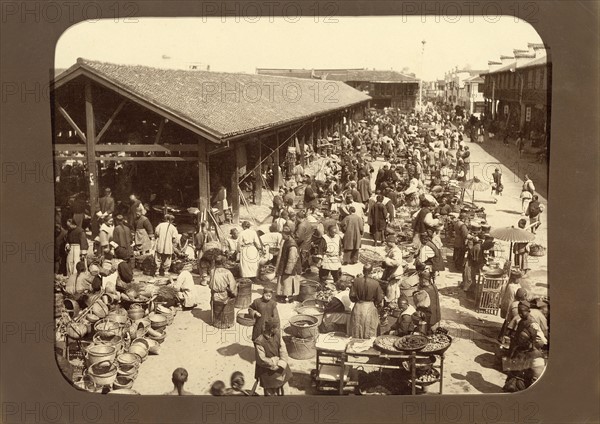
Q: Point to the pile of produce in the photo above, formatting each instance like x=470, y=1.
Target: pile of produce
x=437, y=342
x=324, y=294
x=427, y=376
x=377, y=273
x=411, y=343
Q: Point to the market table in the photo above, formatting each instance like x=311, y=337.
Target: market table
x=346, y=358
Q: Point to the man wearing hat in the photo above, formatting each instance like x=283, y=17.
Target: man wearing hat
x=288, y=267
x=473, y=265
x=166, y=239
x=461, y=231
x=392, y=268
x=353, y=227
x=122, y=238
x=330, y=250
x=272, y=369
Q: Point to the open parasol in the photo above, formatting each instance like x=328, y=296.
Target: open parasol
x=512, y=235
x=473, y=185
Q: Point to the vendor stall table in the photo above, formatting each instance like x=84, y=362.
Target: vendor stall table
x=346, y=360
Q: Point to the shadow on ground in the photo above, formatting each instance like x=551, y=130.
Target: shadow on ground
x=476, y=380
x=244, y=352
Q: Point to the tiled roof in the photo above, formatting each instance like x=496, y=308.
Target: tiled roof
x=474, y=78
x=533, y=62
x=370, y=76
x=225, y=104
x=356, y=74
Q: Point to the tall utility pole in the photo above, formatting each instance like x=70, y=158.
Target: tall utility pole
x=421, y=77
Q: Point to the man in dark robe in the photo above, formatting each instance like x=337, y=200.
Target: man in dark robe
x=122, y=236
x=366, y=293
x=353, y=227
x=378, y=215
x=364, y=189
x=272, y=369
x=460, y=242
x=134, y=205
x=310, y=195
x=288, y=267
x=304, y=233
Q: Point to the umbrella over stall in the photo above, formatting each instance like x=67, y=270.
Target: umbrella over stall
x=473, y=185
x=512, y=235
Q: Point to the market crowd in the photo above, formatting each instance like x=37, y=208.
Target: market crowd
x=333, y=203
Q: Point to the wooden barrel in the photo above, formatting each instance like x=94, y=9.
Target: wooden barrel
x=223, y=314
x=244, y=295
x=301, y=348
x=308, y=290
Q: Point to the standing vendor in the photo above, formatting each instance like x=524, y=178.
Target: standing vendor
x=392, y=268
x=330, y=249
x=272, y=369
x=366, y=293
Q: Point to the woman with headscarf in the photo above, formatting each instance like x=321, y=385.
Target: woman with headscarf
x=250, y=250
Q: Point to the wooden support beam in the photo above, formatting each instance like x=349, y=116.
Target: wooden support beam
x=302, y=142
x=203, y=177
x=160, y=130
x=90, y=129
x=72, y=123
x=110, y=120
x=133, y=148
x=148, y=158
x=258, y=175
x=235, y=182
x=276, y=167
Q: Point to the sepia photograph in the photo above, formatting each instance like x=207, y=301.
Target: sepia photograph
x=276, y=205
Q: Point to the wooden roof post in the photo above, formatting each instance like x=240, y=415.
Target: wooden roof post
x=235, y=183
x=90, y=130
x=276, y=167
x=302, y=141
x=203, y=177
x=258, y=175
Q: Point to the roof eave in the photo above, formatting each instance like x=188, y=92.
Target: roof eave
x=82, y=69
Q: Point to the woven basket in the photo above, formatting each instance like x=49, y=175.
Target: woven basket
x=537, y=250
x=242, y=318
x=370, y=257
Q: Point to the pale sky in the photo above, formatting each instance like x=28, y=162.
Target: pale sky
x=243, y=46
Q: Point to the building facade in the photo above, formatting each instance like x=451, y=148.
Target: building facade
x=386, y=88
x=517, y=90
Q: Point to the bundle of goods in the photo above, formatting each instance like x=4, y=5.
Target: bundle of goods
x=346, y=280
x=266, y=273
x=147, y=264
x=167, y=295
x=368, y=256
x=185, y=264
x=536, y=250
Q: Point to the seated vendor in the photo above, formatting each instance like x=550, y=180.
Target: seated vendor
x=337, y=312
x=406, y=321
x=84, y=283
x=184, y=285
